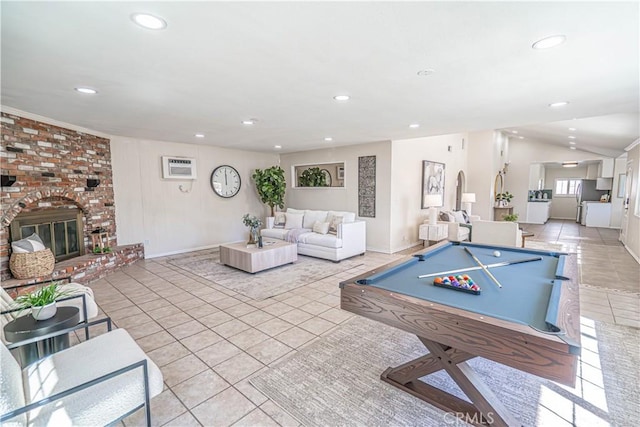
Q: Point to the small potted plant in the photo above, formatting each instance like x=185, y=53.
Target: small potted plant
x=42, y=302
x=313, y=177
x=254, y=225
x=510, y=217
x=503, y=199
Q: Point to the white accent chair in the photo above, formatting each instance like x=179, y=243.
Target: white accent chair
x=97, y=382
x=502, y=233
x=79, y=296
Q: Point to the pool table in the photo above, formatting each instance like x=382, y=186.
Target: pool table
x=526, y=316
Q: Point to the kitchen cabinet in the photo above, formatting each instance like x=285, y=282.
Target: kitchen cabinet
x=604, y=183
x=593, y=170
x=536, y=176
x=538, y=212
x=596, y=214
x=606, y=168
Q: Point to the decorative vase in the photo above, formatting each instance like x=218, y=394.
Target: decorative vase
x=253, y=236
x=44, y=312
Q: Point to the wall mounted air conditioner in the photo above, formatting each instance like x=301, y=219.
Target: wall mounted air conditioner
x=178, y=167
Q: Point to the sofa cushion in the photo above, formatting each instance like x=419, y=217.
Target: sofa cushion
x=347, y=216
x=333, y=224
x=274, y=233
x=446, y=216
x=321, y=227
x=324, y=240
x=311, y=216
x=295, y=211
x=459, y=217
x=294, y=220
x=29, y=244
x=279, y=220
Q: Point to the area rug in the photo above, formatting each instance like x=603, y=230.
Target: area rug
x=335, y=381
x=264, y=284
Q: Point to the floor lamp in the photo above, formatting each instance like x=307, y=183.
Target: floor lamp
x=431, y=201
x=468, y=199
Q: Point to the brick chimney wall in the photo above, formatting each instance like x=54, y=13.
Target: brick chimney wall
x=51, y=165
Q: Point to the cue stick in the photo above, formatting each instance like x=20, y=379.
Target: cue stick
x=497, y=264
x=486, y=270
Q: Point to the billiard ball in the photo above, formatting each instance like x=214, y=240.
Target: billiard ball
x=496, y=253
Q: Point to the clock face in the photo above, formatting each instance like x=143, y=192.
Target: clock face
x=225, y=181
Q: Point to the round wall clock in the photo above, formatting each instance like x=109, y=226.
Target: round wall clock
x=225, y=181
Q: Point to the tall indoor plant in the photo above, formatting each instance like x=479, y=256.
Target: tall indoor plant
x=271, y=186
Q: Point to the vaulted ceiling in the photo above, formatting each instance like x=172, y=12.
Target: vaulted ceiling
x=446, y=66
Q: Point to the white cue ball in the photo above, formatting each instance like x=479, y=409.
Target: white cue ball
x=496, y=253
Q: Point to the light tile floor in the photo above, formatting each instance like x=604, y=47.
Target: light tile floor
x=208, y=340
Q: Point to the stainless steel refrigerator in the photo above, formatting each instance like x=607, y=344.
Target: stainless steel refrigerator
x=586, y=192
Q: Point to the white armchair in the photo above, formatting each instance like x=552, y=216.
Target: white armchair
x=504, y=233
x=458, y=229
x=96, y=382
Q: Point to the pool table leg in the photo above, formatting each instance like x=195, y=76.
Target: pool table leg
x=486, y=409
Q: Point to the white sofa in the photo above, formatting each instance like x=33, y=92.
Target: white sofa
x=350, y=236
x=504, y=233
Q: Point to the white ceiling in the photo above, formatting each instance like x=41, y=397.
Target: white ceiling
x=218, y=63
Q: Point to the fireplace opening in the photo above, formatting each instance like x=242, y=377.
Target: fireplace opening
x=61, y=230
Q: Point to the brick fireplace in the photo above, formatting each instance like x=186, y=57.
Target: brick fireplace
x=55, y=169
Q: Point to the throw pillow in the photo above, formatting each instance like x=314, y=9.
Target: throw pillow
x=293, y=221
x=459, y=218
x=280, y=220
x=333, y=225
x=29, y=244
x=466, y=217
x=321, y=227
x=447, y=216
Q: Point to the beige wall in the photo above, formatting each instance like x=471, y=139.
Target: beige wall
x=632, y=218
x=620, y=167
x=346, y=198
x=406, y=178
x=155, y=211
x=487, y=155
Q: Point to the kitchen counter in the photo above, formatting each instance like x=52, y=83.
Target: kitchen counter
x=596, y=214
x=538, y=211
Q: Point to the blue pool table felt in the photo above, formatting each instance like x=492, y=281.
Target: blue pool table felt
x=529, y=295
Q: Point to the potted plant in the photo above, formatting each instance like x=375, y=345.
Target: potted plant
x=504, y=199
x=42, y=302
x=271, y=187
x=313, y=177
x=254, y=228
x=510, y=217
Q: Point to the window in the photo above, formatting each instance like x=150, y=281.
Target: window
x=566, y=186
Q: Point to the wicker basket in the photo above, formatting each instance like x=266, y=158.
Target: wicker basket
x=32, y=264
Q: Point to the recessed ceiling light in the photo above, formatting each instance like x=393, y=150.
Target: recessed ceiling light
x=572, y=142
x=86, y=90
x=572, y=129
x=277, y=147
x=149, y=21
x=572, y=148
x=514, y=131
x=328, y=138
x=199, y=135
x=414, y=125
x=549, y=42
x=558, y=104
x=342, y=97
x=521, y=137
x=249, y=122
x=426, y=72
x=571, y=137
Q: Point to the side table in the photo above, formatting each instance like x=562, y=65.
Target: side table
x=433, y=233
x=26, y=327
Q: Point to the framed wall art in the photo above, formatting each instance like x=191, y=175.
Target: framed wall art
x=432, y=184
